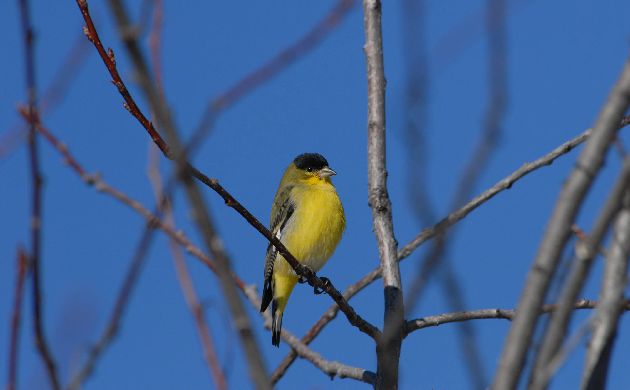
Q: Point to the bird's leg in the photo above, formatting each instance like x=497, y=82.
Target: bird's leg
x=326, y=282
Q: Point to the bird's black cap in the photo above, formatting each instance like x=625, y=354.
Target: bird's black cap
x=315, y=161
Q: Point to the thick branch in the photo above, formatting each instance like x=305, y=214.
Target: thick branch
x=388, y=349
x=611, y=297
x=557, y=233
x=585, y=252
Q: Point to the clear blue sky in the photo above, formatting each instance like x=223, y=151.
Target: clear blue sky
x=563, y=58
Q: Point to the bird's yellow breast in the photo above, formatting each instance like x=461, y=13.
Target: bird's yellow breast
x=316, y=226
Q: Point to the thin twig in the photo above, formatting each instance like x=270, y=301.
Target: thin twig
x=21, y=266
x=331, y=368
x=109, y=60
x=507, y=314
x=36, y=198
x=557, y=233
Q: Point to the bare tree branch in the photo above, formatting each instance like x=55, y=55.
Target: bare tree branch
x=611, y=299
x=506, y=314
x=21, y=267
x=36, y=198
x=585, y=252
x=331, y=368
x=558, y=230
x=388, y=348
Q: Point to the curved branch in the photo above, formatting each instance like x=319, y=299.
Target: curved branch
x=606, y=320
x=585, y=252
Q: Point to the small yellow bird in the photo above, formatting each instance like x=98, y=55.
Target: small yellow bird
x=308, y=218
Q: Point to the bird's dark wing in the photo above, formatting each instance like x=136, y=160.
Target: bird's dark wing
x=282, y=211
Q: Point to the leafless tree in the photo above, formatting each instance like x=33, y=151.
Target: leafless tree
x=159, y=124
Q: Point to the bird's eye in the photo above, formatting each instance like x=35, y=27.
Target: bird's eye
x=309, y=169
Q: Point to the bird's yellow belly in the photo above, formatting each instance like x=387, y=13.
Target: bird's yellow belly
x=314, y=238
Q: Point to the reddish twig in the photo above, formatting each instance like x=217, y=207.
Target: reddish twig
x=36, y=200
x=110, y=62
x=16, y=317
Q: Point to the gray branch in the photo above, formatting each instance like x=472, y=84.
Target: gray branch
x=557, y=233
x=331, y=368
x=388, y=348
x=482, y=314
x=611, y=297
x=585, y=252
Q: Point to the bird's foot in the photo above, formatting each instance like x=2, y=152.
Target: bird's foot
x=302, y=280
x=326, y=282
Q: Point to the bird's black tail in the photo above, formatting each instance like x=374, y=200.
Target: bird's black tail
x=276, y=324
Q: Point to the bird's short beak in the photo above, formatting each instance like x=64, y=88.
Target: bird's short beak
x=326, y=172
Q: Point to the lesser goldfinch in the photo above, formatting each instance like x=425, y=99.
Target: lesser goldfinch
x=308, y=218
